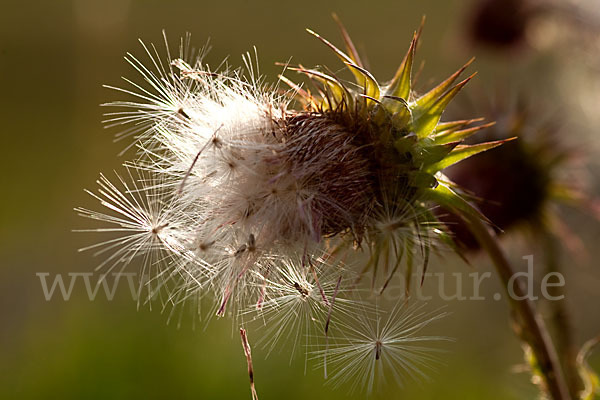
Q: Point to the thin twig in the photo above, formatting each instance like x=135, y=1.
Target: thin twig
x=248, y=353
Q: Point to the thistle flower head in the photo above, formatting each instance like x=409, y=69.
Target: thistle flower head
x=270, y=208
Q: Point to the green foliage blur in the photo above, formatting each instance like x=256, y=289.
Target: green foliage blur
x=54, y=58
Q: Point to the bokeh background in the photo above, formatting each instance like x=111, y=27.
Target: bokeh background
x=54, y=58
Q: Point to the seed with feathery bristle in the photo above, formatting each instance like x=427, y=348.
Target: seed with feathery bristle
x=296, y=303
x=375, y=346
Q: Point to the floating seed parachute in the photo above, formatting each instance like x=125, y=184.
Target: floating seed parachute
x=274, y=209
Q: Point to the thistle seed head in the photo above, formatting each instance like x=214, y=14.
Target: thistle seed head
x=275, y=209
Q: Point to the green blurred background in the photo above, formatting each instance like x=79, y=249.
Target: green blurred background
x=54, y=58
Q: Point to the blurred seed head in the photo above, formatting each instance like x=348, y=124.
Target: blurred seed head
x=499, y=23
x=521, y=184
x=514, y=24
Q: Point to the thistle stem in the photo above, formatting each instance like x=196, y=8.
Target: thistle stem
x=561, y=322
x=532, y=328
